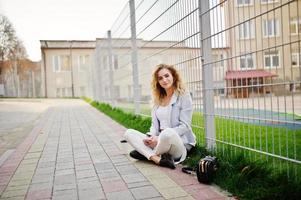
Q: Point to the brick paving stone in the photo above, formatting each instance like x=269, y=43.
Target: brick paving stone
x=89, y=179
x=103, y=166
x=19, y=182
x=173, y=192
x=120, y=159
x=163, y=182
x=64, y=179
x=145, y=192
x=132, y=178
x=42, y=178
x=88, y=185
x=2, y=188
x=66, y=186
x=40, y=186
x=113, y=186
x=120, y=195
x=14, y=198
x=22, y=176
x=91, y=194
x=83, y=162
x=39, y=194
x=180, y=178
x=14, y=193
x=46, y=164
x=203, y=192
x=18, y=187
x=45, y=170
x=74, y=152
x=138, y=184
x=30, y=162
x=65, y=172
x=84, y=167
x=151, y=171
x=185, y=198
x=65, y=195
x=109, y=175
x=32, y=155
x=85, y=174
x=127, y=169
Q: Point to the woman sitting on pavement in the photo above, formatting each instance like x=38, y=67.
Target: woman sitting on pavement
x=170, y=136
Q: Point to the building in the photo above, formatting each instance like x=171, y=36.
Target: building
x=102, y=69
x=264, y=41
x=65, y=67
x=119, y=78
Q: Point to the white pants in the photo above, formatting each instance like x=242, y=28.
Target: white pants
x=168, y=142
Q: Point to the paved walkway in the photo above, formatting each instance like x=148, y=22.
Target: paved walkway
x=73, y=152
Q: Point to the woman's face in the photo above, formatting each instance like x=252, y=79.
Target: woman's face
x=165, y=78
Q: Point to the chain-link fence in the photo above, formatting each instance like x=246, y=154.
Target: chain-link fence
x=240, y=60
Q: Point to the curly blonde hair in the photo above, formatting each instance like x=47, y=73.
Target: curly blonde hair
x=158, y=92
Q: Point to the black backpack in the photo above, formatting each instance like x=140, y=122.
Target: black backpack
x=205, y=169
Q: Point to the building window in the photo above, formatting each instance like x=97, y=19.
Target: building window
x=115, y=62
x=270, y=27
x=65, y=63
x=222, y=61
x=82, y=91
x=296, y=59
x=58, y=92
x=64, y=92
x=295, y=26
x=56, y=63
x=69, y=91
x=130, y=91
x=246, y=30
x=61, y=63
x=246, y=62
x=244, y=2
x=83, y=62
x=271, y=59
x=219, y=60
x=105, y=62
x=268, y=1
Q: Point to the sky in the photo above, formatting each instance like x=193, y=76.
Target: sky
x=36, y=20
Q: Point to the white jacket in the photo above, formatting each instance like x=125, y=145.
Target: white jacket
x=180, y=118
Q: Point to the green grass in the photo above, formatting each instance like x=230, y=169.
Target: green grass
x=130, y=107
x=127, y=119
x=292, y=115
x=246, y=174
x=249, y=179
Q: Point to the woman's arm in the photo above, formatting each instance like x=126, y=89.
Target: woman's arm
x=152, y=130
x=185, y=115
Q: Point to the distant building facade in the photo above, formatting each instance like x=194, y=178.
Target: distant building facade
x=65, y=67
x=264, y=41
x=103, y=72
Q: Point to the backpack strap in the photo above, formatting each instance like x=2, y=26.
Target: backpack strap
x=188, y=170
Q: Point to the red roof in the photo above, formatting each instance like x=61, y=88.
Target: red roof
x=248, y=74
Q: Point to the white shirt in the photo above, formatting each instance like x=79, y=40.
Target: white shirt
x=162, y=115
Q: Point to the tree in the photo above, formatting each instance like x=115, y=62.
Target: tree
x=11, y=52
x=8, y=38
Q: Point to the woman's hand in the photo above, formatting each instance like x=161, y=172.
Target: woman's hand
x=151, y=141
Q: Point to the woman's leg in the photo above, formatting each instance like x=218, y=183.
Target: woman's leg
x=135, y=138
x=169, y=147
x=170, y=142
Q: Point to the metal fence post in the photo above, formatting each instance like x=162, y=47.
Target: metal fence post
x=207, y=73
x=97, y=74
x=136, y=88
x=111, y=75
x=33, y=84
